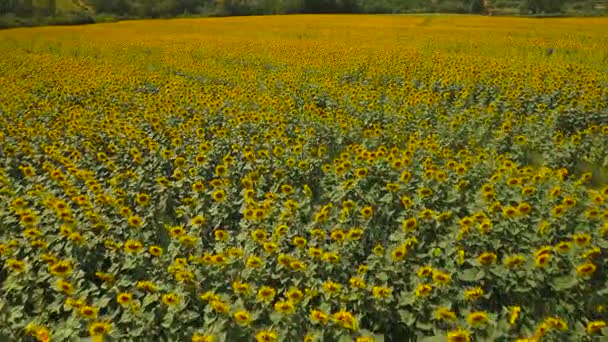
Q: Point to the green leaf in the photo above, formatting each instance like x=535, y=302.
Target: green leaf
x=407, y=317
x=345, y=338
x=436, y=338
x=470, y=275
x=103, y=302
x=424, y=326
x=564, y=283
x=407, y=299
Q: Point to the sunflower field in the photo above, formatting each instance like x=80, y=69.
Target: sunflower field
x=305, y=178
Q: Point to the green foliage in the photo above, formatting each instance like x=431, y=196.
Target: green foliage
x=542, y=6
x=37, y=12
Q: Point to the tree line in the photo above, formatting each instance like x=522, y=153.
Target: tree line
x=171, y=8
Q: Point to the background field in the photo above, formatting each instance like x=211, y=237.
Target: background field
x=305, y=177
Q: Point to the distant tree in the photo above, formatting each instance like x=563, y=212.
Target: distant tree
x=476, y=6
x=543, y=6
x=119, y=7
x=52, y=8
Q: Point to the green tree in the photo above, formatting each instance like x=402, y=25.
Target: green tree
x=543, y=6
x=52, y=7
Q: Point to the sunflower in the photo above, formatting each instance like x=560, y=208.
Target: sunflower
x=585, y=270
x=142, y=199
x=515, y=311
x=88, y=311
x=514, y=261
x=286, y=189
x=473, y=293
x=28, y=218
x=380, y=292
x=556, y=191
x=221, y=235
x=15, y=265
x=445, y=314
x=299, y=241
x=198, y=220
x=477, y=318
x=423, y=290
x=65, y=286
x=219, y=259
x=563, y=247
x=441, y=278
x=486, y=258
x=378, y=250
x=509, y=211
x=254, y=262
x=188, y=241
x=242, y=317
x=337, y=235
x=221, y=170
x=41, y=333
x=315, y=252
x=331, y=288
x=581, y=239
x=270, y=247
x=133, y=246
x=198, y=186
x=428, y=214
x=219, y=195
x=592, y=213
x=346, y=320
x=557, y=323
x=197, y=337
x=318, y=317
x=266, y=336
x=61, y=268
x=147, y=286
x=99, y=328
x=297, y=265
x=392, y=187
x=399, y=253
x=459, y=335
x=592, y=253
x=170, y=299
x=514, y=181
x=294, y=295
x=220, y=307
x=266, y=294
x=425, y=272
x=285, y=307
x=241, y=287
x=410, y=224
x=407, y=202
x=569, y=201
x=124, y=298
x=177, y=231
x=524, y=208
x=331, y=257
x=357, y=283
x=405, y=177
x=558, y=210
x=542, y=260
x=135, y=221
x=425, y=192
x=594, y=327
x=365, y=339
x=367, y=212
